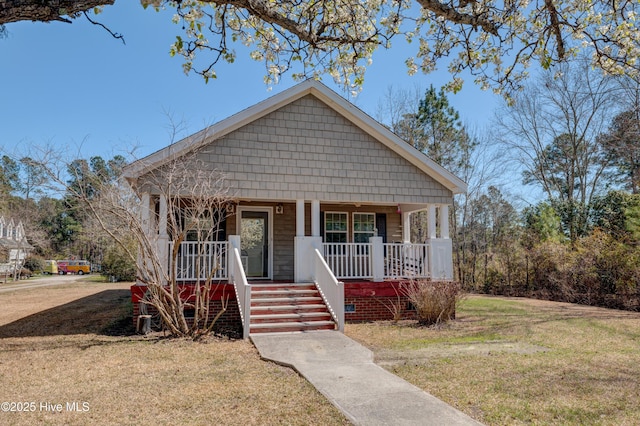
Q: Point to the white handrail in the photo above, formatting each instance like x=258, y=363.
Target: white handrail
x=242, y=288
x=331, y=290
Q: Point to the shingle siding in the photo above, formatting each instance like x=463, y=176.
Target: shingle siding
x=306, y=150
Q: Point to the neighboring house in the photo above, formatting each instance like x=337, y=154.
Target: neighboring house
x=330, y=192
x=14, y=248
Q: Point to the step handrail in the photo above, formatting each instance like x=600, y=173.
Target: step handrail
x=331, y=290
x=242, y=288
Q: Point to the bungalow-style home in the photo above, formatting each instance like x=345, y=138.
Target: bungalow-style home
x=14, y=248
x=325, y=194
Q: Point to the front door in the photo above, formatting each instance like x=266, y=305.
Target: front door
x=255, y=241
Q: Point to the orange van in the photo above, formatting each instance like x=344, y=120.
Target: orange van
x=79, y=267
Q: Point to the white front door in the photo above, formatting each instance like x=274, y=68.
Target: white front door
x=255, y=228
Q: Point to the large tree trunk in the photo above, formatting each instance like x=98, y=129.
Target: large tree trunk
x=45, y=10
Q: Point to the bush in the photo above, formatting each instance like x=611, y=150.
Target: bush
x=34, y=263
x=118, y=265
x=434, y=301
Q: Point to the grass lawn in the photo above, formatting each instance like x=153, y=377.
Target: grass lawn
x=520, y=361
x=69, y=345
x=503, y=361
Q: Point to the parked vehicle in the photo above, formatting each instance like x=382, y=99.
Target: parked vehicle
x=50, y=267
x=79, y=267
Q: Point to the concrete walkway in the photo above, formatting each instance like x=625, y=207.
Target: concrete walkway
x=344, y=372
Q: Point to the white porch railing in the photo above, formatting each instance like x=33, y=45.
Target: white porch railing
x=349, y=260
x=406, y=261
x=356, y=260
x=197, y=259
x=331, y=290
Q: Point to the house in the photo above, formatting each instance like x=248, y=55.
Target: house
x=327, y=193
x=14, y=248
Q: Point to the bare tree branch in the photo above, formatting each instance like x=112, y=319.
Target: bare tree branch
x=46, y=11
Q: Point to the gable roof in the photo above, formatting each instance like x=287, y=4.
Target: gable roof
x=261, y=109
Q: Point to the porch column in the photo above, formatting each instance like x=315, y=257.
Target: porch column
x=299, y=218
x=432, y=221
x=162, y=219
x=444, y=221
x=145, y=212
x=163, y=236
x=315, y=218
x=406, y=227
x=377, y=258
x=440, y=248
x=145, y=218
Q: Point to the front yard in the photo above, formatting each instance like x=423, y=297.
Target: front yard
x=521, y=361
x=67, y=357
x=59, y=350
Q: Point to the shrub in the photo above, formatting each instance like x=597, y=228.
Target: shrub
x=117, y=265
x=34, y=263
x=434, y=301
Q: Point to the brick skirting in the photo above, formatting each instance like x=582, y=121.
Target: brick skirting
x=364, y=301
x=375, y=301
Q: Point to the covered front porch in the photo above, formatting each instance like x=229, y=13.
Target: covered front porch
x=317, y=243
x=364, y=254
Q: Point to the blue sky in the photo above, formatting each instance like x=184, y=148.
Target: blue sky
x=75, y=86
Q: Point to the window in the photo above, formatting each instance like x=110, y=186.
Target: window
x=335, y=227
x=364, y=225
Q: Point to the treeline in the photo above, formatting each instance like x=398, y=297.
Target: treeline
x=504, y=252
x=572, y=137
x=56, y=223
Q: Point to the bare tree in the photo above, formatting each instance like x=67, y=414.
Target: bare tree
x=621, y=142
x=196, y=199
x=551, y=130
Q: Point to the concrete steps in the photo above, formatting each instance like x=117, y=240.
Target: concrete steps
x=279, y=308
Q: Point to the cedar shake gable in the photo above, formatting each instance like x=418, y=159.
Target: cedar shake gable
x=310, y=143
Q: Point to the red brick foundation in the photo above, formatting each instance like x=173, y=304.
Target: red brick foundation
x=228, y=324
x=364, y=301
x=373, y=301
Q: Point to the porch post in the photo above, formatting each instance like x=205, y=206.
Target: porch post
x=377, y=258
x=145, y=218
x=299, y=218
x=406, y=227
x=163, y=236
x=315, y=218
x=162, y=220
x=145, y=212
x=302, y=265
x=444, y=221
x=432, y=221
x=440, y=249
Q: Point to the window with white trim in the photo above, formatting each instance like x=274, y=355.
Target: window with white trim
x=364, y=226
x=335, y=227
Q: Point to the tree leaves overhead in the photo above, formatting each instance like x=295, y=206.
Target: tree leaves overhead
x=495, y=41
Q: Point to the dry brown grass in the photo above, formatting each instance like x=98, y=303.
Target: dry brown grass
x=519, y=361
x=57, y=346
